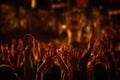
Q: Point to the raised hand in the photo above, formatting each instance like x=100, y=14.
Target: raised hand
x=50, y=56
x=91, y=43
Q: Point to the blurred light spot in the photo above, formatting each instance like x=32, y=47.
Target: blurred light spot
x=64, y=26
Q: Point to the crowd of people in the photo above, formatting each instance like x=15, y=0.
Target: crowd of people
x=29, y=59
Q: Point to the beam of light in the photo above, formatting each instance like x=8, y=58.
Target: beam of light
x=33, y=3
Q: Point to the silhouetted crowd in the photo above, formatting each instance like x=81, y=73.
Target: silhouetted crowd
x=29, y=59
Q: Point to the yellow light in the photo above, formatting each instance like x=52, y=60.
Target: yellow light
x=64, y=26
x=33, y=3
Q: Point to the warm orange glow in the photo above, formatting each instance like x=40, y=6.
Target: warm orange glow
x=82, y=3
x=114, y=12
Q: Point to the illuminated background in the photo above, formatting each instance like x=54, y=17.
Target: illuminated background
x=17, y=17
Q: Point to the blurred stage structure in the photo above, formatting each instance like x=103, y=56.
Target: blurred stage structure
x=66, y=20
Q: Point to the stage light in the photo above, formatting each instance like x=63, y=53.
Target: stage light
x=33, y=3
x=64, y=26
